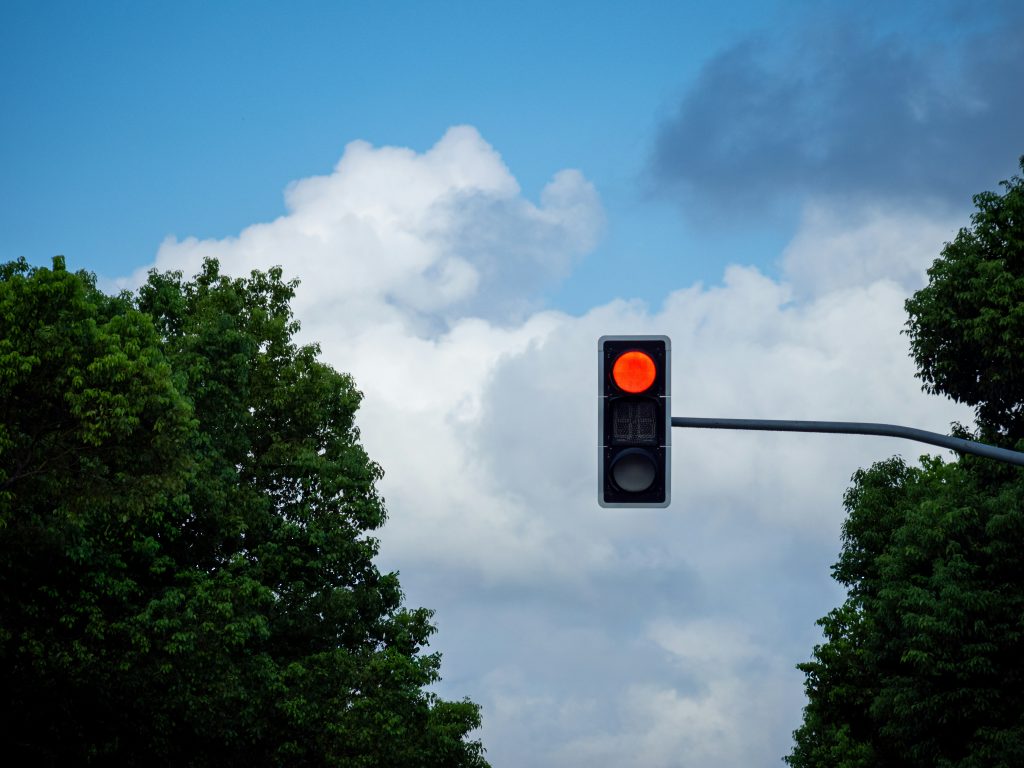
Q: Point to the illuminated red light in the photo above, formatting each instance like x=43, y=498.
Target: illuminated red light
x=634, y=372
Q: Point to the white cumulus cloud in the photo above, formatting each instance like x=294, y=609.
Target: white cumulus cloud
x=839, y=249
x=595, y=636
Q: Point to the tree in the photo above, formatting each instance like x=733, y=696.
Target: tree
x=921, y=665
x=967, y=325
x=186, y=567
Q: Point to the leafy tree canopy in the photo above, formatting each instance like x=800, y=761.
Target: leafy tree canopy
x=922, y=664
x=967, y=325
x=186, y=565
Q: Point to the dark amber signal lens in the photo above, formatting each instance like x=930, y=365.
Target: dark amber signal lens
x=634, y=372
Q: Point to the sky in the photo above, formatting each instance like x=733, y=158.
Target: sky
x=471, y=195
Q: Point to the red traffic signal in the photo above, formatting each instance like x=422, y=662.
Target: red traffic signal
x=634, y=371
x=634, y=419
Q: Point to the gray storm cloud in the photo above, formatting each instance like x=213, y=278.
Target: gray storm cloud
x=843, y=110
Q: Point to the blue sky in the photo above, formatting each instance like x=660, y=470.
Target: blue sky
x=489, y=187
x=128, y=121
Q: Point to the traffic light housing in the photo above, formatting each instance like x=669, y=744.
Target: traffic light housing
x=634, y=421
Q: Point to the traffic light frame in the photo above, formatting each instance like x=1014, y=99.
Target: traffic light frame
x=634, y=421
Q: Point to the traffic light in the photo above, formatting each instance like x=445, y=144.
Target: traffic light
x=634, y=421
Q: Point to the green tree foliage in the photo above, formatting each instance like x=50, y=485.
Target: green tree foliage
x=922, y=664
x=967, y=325
x=186, y=569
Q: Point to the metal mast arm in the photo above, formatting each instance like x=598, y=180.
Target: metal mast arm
x=856, y=428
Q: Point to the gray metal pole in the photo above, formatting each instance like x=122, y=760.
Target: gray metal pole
x=856, y=428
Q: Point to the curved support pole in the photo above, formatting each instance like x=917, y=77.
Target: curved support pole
x=856, y=428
